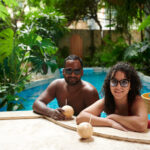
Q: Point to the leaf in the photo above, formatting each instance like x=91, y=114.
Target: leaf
x=144, y=48
x=39, y=38
x=13, y=106
x=3, y=103
x=52, y=65
x=29, y=38
x=6, y=43
x=11, y=3
x=111, y=25
x=130, y=53
x=3, y=12
x=27, y=55
x=145, y=23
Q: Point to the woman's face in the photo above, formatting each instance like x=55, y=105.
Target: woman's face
x=119, y=86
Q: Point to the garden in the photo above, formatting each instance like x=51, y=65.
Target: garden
x=30, y=31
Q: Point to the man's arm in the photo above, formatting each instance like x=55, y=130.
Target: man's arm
x=40, y=104
x=137, y=121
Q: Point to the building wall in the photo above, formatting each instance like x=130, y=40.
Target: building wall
x=86, y=39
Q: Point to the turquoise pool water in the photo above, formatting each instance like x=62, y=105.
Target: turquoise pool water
x=95, y=78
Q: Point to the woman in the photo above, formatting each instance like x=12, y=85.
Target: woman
x=122, y=102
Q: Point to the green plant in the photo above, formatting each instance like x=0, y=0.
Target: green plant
x=62, y=53
x=6, y=43
x=107, y=54
x=4, y=11
x=40, y=35
x=138, y=54
x=35, y=42
x=41, y=52
x=8, y=97
x=12, y=80
x=47, y=23
x=111, y=52
x=145, y=23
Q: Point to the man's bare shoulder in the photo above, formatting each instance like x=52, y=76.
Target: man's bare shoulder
x=57, y=82
x=90, y=93
x=88, y=86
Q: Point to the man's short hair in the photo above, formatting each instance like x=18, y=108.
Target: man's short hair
x=74, y=57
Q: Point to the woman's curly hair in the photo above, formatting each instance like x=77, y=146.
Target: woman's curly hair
x=135, y=83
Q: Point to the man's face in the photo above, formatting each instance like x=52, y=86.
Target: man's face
x=72, y=72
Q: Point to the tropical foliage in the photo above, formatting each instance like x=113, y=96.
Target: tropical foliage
x=138, y=54
x=6, y=43
x=13, y=77
x=31, y=48
x=41, y=32
x=41, y=52
x=108, y=54
x=112, y=51
x=145, y=23
x=7, y=88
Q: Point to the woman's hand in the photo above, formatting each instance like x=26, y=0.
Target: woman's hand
x=115, y=124
x=112, y=116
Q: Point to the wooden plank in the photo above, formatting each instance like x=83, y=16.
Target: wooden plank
x=10, y=115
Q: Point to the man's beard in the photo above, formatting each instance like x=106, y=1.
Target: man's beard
x=72, y=80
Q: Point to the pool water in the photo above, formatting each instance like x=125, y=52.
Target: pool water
x=95, y=78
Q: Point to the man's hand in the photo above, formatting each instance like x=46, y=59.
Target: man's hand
x=57, y=114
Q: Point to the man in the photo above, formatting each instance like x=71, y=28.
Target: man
x=71, y=91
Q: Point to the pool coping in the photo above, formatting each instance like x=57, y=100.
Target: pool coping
x=105, y=132
x=39, y=82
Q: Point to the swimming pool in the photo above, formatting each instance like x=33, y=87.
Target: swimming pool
x=93, y=75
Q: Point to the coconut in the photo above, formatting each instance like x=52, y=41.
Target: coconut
x=68, y=111
x=85, y=130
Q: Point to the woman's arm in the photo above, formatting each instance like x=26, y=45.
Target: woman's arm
x=137, y=121
x=92, y=114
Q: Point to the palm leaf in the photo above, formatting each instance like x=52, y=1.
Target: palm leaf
x=6, y=43
x=145, y=23
x=3, y=12
x=10, y=3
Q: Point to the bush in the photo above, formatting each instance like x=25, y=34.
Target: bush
x=62, y=53
x=108, y=54
x=139, y=55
